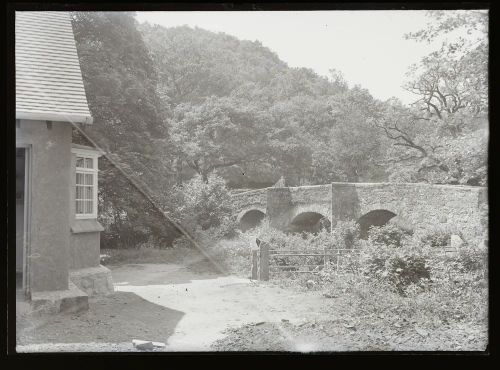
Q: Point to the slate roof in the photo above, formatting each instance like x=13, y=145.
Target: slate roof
x=49, y=82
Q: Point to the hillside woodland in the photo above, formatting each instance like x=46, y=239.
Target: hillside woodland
x=179, y=108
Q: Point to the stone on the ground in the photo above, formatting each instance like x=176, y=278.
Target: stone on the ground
x=142, y=344
x=456, y=242
x=309, y=284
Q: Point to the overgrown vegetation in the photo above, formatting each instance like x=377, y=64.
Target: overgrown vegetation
x=406, y=284
x=388, y=235
x=172, y=103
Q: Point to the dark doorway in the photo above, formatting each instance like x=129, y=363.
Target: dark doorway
x=21, y=206
x=378, y=217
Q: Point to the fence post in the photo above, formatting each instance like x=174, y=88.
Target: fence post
x=338, y=256
x=264, y=261
x=254, y=264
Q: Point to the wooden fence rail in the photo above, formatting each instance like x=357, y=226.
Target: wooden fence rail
x=262, y=258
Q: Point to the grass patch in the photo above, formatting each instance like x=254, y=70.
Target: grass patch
x=148, y=255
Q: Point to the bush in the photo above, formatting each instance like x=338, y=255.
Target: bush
x=130, y=220
x=473, y=259
x=345, y=235
x=199, y=205
x=388, y=235
x=399, y=268
x=437, y=237
x=233, y=255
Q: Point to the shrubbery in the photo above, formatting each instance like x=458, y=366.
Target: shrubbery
x=201, y=206
x=389, y=235
x=437, y=237
x=412, y=283
x=345, y=235
x=399, y=268
x=130, y=220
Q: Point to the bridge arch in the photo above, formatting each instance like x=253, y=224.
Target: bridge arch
x=250, y=218
x=376, y=217
x=310, y=219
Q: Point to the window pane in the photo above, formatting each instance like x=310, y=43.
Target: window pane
x=79, y=207
x=79, y=178
x=89, y=192
x=79, y=162
x=89, y=179
x=89, y=162
x=79, y=192
x=88, y=208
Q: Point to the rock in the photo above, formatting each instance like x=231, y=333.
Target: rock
x=350, y=326
x=143, y=345
x=456, y=242
x=285, y=320
x=328, y=295
x=421, y=331
x=309, y=284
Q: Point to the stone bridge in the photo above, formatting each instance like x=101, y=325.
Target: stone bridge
x=420, y=205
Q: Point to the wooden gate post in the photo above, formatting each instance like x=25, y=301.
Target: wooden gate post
x=254, y=264
x=264, y=261
x=338, y=257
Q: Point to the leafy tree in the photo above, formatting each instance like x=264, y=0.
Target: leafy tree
x=194, y=64
x=201, y=205
x=120, y=81
x=430, y=140
x=221, y=132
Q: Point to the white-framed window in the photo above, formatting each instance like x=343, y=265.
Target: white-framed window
x=86, y=171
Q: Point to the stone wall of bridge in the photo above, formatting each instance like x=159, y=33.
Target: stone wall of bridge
x=422, y=205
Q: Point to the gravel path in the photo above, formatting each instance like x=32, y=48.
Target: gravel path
x=187, y=308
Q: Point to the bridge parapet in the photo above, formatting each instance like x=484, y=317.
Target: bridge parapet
x=249, y=200
x=422, y=205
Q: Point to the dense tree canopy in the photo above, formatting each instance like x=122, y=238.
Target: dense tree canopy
x=234, y=103
x=172, y=103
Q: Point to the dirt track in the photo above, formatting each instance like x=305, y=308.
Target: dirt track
x=191, y=307
x=188, y=308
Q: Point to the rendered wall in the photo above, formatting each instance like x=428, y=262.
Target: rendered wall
x=48, y=259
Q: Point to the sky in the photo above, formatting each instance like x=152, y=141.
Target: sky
x=368, y=47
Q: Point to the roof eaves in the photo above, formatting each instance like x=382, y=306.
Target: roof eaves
x=54, y=116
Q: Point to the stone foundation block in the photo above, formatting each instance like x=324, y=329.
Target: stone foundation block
x=69, y=300
x=93, y=280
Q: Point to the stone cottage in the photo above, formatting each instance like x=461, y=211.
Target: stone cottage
x=57, y=244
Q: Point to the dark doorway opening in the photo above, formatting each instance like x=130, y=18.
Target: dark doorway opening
x=21, y=220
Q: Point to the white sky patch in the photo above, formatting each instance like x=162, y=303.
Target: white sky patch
x=368, y=47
